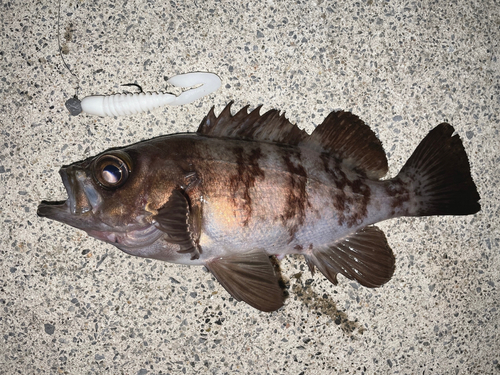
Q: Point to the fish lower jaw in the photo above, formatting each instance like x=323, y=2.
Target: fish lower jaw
x=128, y=239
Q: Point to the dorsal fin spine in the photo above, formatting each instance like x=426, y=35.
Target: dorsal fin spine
x=342, y=134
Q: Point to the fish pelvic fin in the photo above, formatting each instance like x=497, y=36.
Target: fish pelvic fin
x=437, y=177
x=249, y=277
x=364, y=256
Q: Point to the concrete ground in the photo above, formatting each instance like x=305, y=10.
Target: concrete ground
x=71, y=304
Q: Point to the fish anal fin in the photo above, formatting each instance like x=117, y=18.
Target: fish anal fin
x=364, y=256
x=348, y=138
x=180, y=223
x=270, y=126
x=249, y=277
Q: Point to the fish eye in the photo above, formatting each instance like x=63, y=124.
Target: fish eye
x=111, y=174
x=112, y=170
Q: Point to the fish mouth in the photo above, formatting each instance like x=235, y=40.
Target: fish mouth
x=52, y=209
x=81, y=197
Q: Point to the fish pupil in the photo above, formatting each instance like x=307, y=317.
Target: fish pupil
x=111, y=174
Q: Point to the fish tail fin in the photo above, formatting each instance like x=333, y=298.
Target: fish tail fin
x=437, y=176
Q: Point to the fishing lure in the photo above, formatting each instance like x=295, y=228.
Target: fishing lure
x=129, y=104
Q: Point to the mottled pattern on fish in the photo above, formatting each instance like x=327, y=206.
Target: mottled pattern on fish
x=249, y=186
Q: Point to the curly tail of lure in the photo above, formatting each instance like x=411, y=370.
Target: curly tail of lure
x=129, y=104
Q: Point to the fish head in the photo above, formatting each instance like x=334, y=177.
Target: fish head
x=109, y=198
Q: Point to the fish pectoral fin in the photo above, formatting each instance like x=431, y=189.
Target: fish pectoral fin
x=364, y=256
x=249, y=277
x=180, y=223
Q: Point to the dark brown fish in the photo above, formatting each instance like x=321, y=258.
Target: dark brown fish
x=248, y=186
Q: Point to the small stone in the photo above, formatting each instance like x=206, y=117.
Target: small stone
x=49, y=328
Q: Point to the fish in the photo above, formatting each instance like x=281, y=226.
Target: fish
x=247, y=188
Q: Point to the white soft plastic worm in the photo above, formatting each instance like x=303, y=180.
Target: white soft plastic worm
x=129, y=104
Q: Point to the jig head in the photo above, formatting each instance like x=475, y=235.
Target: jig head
x=129, y=104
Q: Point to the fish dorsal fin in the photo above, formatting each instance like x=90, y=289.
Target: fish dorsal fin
x=180, y=223
x=363, y=256
x=271, y=126
x=341, y=134
x=349, y=139
x=249, y=277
